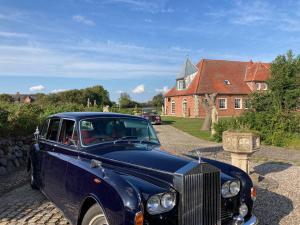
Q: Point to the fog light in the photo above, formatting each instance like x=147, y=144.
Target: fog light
x=243, y=210
x=238, y=220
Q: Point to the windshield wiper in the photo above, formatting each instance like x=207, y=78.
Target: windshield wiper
x=135, y=139
x=125, y=138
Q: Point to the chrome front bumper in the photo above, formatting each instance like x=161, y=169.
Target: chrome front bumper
x=252, y=221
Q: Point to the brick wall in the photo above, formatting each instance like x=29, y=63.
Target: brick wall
x=230, y=110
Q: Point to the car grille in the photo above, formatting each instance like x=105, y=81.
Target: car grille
x=201, y=198
x=226, y=216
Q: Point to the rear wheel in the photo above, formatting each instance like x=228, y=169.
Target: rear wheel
x=94, y=216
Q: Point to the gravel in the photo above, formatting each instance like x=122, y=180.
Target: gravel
x=275, y=204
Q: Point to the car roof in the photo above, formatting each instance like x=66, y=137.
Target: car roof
x=82, y=115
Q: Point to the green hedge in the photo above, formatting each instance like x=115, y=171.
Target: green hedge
x=22, y=119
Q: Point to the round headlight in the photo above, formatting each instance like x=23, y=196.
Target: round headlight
x=153, y=203
x=225, y=189
x=168, y=201
x=234, y=187
x=243, y=210
x=230, y=189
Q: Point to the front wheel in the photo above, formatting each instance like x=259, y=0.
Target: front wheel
x=31, y=178
x=94, y=216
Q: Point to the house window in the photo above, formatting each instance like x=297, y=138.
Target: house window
x=257, y=86
x=238, y=103
x=264, y=86
x=222, y=103
x=180, y=85
x=227, y=82
x=246, y=103
x=184, y=106
x=172, y=106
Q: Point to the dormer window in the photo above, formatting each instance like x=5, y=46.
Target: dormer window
x=180, y=85
x=227, y=82
x=264, y=86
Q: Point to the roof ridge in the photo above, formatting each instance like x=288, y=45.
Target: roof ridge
x=199, y=72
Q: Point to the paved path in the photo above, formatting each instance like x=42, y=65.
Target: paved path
x=279, y=205
x=24, y=206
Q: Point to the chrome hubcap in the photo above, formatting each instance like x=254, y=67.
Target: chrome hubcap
x=98, y=220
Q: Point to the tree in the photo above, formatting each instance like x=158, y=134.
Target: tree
x=157, y=100
x=273, y=112
x=6, y=98
x=208, y=104
x=284, y=84
x=125, y=101
x=78, y=96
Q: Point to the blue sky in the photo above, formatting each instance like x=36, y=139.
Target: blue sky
x=137, y=46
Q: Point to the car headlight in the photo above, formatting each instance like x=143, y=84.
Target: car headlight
x=161, y=203
x=230, y=189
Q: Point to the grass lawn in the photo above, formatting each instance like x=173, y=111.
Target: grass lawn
x=294, y=142
x=188, y=125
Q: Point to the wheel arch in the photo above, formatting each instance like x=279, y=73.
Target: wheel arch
x=86, y=204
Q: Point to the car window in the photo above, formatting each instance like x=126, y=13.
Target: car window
x=98, y=130
x=44, y=129
x=68, y=134
x=53, y=129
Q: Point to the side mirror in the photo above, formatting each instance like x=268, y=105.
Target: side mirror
x=36, y=134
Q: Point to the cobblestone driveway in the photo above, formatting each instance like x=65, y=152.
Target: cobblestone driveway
x=280, y=205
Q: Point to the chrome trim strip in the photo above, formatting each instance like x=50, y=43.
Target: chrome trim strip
x=252, y=221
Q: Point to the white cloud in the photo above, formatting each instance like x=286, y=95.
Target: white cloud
x=58, y=90
x=120, y=92
x=162, y=90
x=139, y=89
x=37, y=88
x=84, y=20
x=12, y=35
x=158, y=6
x=148, y=20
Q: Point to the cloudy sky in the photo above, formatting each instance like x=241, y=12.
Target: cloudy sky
x=137, y=46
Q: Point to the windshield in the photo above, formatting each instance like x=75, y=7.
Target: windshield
x=149, y=111
x=101, y=130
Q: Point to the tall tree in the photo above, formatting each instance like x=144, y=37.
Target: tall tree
x=125, y=101
x=208, y=104
x=158, y=100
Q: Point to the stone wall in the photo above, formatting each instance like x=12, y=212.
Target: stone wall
x=13, y=154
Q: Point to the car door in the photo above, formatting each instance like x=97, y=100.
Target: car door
x=54, y=164
x=40, y=147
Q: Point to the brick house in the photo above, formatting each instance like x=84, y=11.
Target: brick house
x=24, y=98
x=233, y=81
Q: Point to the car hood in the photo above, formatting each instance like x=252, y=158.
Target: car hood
x=142, y=155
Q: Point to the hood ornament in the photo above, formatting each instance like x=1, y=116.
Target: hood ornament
x=199, y=154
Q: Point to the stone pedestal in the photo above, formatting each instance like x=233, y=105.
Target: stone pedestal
x=241, y=145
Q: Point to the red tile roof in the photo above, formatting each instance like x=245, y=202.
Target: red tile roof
x=257, y=71
x=212, y=74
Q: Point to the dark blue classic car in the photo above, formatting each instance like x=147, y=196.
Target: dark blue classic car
x=104, y=168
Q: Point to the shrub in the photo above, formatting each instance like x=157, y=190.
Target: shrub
x=24, y=119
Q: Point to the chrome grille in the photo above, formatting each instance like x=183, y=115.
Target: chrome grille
x=201, y=199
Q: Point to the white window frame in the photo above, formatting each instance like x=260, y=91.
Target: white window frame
x=241, y=103
x=219, y=101
x=173, y=110
x=266, y=86
x=180, y=84
x=184, y=102
x=258, y=86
